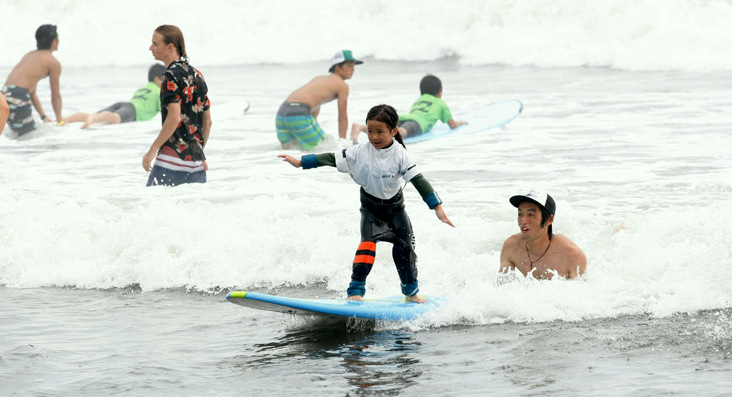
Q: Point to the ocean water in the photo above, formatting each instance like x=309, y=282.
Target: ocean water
x=108, y=287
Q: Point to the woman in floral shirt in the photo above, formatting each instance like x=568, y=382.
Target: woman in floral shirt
x=178, y=149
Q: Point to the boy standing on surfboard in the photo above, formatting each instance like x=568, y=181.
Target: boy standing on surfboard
x=423, y=114
x=379, y=167
x=296, y=120
x=536, y=250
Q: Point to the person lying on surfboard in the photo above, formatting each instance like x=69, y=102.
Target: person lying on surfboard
x=536, y=250
x=144, y=105
x=423, y=114
x=379, y=166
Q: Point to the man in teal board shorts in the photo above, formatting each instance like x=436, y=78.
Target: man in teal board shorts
x=144, y=105
x=423, y=114
x=296, y=121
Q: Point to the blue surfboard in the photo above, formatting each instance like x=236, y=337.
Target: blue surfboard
x=393, y=308
x=494, y=115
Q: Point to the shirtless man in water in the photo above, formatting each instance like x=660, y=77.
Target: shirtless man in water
x=296, y=120
x=20, y=86
x=535, y=250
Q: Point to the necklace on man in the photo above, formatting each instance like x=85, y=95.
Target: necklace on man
x=531, y=263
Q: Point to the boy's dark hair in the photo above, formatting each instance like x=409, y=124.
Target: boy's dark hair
x=430, y=85
x=340, y=65
x=156, y=70
x=45, y=34
x=545, y=217
x=387, y=115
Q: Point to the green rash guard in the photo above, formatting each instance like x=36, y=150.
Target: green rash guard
x=426, y=111
x=146, y=102
x=420, y=183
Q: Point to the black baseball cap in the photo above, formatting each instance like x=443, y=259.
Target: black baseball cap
x=541, y=199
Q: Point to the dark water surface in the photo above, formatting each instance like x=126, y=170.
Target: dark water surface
x=79, y=342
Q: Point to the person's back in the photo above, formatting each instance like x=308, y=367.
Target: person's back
x=319, y=90
x=33, y=67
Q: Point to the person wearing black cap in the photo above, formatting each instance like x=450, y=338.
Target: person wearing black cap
x=296, y=120
x=20, y=86
x=536, y=249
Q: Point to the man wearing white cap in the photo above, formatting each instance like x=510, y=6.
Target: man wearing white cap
x=535, y=250
x=296, y=120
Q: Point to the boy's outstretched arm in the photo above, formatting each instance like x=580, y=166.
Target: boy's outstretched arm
x=441, y=215
x=430, y=197
x=455, y=123
x=293, y=161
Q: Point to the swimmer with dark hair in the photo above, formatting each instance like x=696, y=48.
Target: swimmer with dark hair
x=144, y=105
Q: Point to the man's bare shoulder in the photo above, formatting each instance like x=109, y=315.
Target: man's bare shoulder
x=40, y=62
x=40, y=56
x=515, y=239
x=571, y=255
x=319, y=90
x=563, y=241
x=332, y=81
x=512, y=245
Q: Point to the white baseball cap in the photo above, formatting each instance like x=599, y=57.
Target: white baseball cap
x=342, y=56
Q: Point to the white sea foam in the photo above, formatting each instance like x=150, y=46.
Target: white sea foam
x=683, y=35
x=638, y=161
x=641, y=177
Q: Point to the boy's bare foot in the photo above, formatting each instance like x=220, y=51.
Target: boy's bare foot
x=415, y=299
x=355, y=298
x=87, y=123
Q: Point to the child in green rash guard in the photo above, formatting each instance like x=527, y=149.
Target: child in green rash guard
x=423, y=114
x=379, y=167
x=144, y=105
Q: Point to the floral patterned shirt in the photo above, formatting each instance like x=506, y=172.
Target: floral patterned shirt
x=184, y=84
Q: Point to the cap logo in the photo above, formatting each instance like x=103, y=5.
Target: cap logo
x=538, y=196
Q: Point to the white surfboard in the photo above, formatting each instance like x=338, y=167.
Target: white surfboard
x=494, y=115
